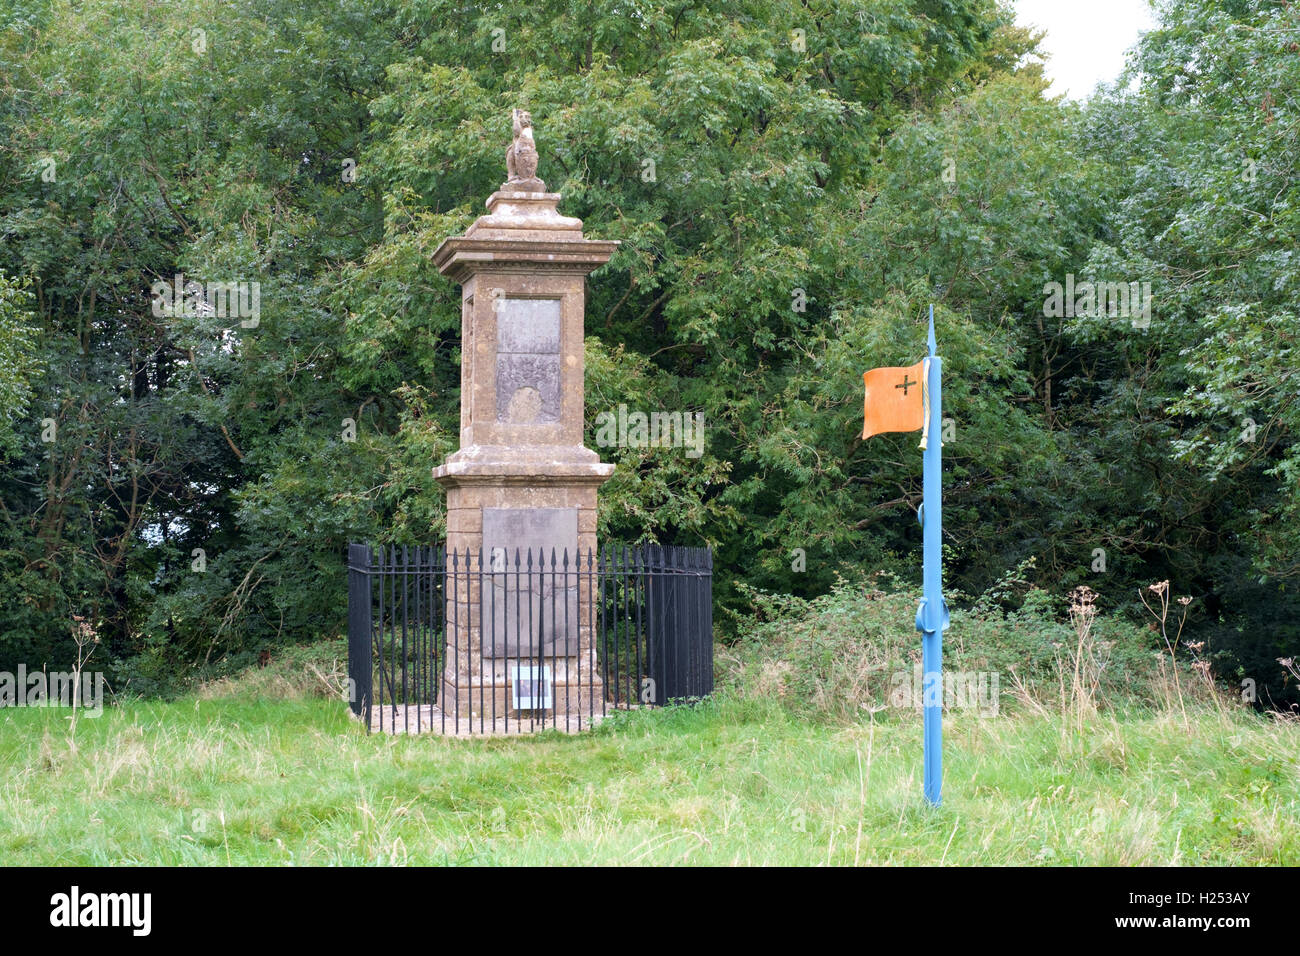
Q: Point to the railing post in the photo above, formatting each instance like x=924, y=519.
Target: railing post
x=360, y=631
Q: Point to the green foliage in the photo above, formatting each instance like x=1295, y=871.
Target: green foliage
x=204, y=484
x=1198, y=416
x=17, y=359
x=792, y=185
x=855, y=650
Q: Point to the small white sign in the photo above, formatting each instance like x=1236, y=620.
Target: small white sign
x=530, y=687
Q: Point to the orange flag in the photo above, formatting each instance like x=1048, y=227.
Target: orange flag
x=893, y=400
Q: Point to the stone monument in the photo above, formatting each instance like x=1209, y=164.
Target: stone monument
x=521, y=481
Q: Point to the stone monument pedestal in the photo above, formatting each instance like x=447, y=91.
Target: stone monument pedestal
x=522, y=484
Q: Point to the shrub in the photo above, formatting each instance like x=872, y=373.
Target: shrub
x=856, y=649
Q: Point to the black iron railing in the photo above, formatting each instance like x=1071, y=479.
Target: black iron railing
x=513, y=642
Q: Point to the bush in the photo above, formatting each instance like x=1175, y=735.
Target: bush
x=290, y=672
x=856, y=650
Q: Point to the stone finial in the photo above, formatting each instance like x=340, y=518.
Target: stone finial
x=523, y=226
x=521, y=157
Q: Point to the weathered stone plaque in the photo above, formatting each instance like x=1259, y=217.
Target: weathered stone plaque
x=528, y=361
x=529, y=325
x=529, y=613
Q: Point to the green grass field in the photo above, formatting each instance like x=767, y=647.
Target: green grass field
x=217, y=780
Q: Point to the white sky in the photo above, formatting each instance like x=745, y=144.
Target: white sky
x=1086, y=39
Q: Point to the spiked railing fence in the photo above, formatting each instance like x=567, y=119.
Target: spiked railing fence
x=516, y=642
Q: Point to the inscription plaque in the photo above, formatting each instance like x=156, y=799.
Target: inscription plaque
x=529, y=614
x=528, y=361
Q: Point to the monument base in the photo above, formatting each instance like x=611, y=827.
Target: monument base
x=574, y=688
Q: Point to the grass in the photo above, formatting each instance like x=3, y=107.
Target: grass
x=218, y=778
x=798, y=759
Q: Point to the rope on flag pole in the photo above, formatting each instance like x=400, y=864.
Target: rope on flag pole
x=925, y=402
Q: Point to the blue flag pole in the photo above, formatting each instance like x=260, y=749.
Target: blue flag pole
x=932, y=614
